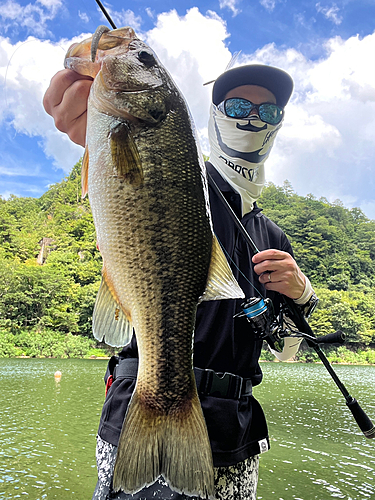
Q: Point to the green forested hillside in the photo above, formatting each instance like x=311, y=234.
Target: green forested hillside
x=335, y=247
x=54, y=297
x=50, y=267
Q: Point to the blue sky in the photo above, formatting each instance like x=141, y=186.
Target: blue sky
x=326, y=146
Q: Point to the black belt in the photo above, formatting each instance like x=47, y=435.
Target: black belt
x=209, y=383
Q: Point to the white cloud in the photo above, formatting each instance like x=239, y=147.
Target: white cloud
x=33, y=17
x=368, y=208
x=125, y=18
x=60, y=149
x=19, y=189
x=150, y=12
x=26, y=69
x=326, y=146
x=192, y=60
x=50, y=4
x=83, y=16
x=231, y=5
x=330, y=13
x=6, y=194
x=268, y=4
x=11, y=168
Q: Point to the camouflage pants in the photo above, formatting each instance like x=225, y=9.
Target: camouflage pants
x=232, y=483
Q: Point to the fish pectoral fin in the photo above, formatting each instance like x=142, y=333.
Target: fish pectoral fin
x=221, y=284
x=125, y=155
x=109, y=320
x=85, y=173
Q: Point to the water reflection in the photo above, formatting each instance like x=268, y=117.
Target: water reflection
x=317, y=450
x=48, y=429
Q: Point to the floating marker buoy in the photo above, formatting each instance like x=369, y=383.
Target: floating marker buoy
x=57, y=375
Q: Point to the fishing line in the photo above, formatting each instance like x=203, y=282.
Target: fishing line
x=101, y=9
x=238, y=269
x=229, y=65
x=108, y=17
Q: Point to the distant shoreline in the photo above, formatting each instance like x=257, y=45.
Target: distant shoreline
x=107, y=358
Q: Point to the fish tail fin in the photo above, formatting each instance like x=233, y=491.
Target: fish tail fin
x=173, y=445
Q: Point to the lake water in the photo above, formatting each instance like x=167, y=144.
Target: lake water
x=48, y=429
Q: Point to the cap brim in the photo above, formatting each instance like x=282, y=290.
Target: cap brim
x=274, y=79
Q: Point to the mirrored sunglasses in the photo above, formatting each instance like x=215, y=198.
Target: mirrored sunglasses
x=237, y=107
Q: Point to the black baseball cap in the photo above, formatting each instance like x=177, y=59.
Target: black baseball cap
x=274, y=79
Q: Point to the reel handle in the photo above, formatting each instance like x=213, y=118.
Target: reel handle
x=363, y=421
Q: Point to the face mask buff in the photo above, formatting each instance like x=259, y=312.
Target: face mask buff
x=239, y=148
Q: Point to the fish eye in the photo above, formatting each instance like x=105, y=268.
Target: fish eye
x=146, y=57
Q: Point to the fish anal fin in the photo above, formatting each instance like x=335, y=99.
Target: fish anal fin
x=85, y=173
x=125, y=155
x=221, y=284
x=110, y=321
x=174, y=445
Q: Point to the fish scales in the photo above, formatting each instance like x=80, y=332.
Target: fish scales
x=160, y=271
x=148, y=192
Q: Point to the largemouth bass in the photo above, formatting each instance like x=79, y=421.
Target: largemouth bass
x=147, y=187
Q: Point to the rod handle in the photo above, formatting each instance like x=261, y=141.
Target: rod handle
x=332, y=338
x=363, y=421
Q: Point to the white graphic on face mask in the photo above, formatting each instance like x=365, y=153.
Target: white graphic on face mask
x=249, y=174
x=270, y=135
x=249, y=127
x=252, y=156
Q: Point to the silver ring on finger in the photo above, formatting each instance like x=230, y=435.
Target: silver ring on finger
x=269, y=277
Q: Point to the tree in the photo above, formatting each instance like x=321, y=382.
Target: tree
x=35, y=296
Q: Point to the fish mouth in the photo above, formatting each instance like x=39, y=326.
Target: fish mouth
x=106, y=39
x=102, y=40
x=87, y=57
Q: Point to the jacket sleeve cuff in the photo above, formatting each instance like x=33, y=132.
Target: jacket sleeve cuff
x=291, y=346
x=307, y=293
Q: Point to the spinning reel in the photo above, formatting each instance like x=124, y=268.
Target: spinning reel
x=273, y=329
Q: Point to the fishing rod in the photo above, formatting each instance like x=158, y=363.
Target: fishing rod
x=103, y=9
x=295, y=315
x=256, y=310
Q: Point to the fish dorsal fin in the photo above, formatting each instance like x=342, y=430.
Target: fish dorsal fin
x=221, y=284
x=109, y=320
x=85, y=173
x=125, y=155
